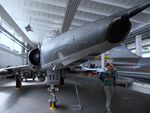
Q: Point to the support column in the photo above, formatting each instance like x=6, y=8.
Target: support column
x=138, y=45
x=22, y=56
x=26, y=57
x=103, y=60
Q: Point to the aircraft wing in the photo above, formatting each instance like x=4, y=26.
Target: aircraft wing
x=129, y=64
x=144, y=77
x=15, y=67
x=123, y=51
x=8, y=71
x=122, y=56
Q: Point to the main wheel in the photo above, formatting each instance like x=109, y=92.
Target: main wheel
x=41, y=78
x=61, y=81
x=18, y=83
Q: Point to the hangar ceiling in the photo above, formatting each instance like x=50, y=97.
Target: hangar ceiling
x=45, y=16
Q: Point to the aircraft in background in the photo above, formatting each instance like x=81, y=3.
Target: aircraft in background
x=25, y=72
x=69, y=48
x=129, y=64
x=95, y=70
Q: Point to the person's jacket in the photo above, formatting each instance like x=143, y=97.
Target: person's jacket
x=108, y=77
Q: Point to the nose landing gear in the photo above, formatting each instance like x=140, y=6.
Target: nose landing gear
x=52, y=101
x=54, y=80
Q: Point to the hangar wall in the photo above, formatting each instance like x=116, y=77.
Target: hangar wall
x=10, y=50
x=10, y=58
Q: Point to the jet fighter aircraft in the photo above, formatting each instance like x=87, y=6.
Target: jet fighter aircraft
x=70, y=47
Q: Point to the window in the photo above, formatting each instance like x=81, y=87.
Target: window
x=18, y=37
x=17, y=47
x=5, y=40
x=7, y=26
x=0, y=20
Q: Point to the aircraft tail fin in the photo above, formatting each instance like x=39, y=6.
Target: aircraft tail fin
x=122, y=52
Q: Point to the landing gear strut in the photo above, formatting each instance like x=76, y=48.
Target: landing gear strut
x=52, y=101
x=53, y=81
x=18, y=81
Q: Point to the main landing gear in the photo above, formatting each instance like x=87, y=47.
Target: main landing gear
x=18, y=81
x=61, y=81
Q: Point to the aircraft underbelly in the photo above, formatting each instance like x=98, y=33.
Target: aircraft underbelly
x=99, y=48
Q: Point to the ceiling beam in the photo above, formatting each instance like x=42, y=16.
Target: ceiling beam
x=49, y=20
x=88, y=10
x=46, y=27
x=70, y=13
x=44, y=21
x=94, y=11
x=137, y=21
x=140, y=30
x=88, y=19
x=76, y=17
x=13, y=24
x=36, y=24
x=59, y=3
x=54, y=13
x=117, y=4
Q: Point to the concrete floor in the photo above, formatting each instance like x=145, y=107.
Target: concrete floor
x=33, y=98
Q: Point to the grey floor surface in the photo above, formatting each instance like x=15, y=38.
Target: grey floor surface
x=33, y=98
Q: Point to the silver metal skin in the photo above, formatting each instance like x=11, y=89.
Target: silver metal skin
x=129, y=64
x=128, y=61
x=96, y=37
x=74, y=45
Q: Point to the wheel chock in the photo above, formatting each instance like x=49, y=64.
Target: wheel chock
x=52, y=106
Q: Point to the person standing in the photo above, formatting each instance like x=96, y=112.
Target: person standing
x=109, y=81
